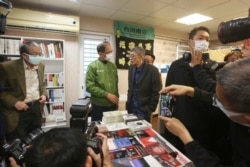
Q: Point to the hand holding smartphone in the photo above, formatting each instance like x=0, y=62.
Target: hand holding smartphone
x=165, y=105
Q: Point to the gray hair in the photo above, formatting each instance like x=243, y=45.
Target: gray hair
x=235, y=80
x=140, y=51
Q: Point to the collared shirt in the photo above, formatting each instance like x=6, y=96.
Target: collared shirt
x=135, y=106
x=32, y=83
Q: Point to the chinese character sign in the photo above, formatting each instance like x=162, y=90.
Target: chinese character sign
x=129, y=36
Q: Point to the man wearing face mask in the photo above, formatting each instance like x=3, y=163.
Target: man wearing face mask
x=200, y=118
x=102, y=83
x=232, y=97
x=24, y=93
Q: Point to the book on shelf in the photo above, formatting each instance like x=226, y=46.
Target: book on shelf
x=51, y=50
x=54, y=111
x=56, y=95
x=53, y=79
x=9, y=46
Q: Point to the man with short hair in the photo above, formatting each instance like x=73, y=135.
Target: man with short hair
x=201, y=119
x=232, y=97
x=24, y=94
x=102, y=83
x=149, y=58
x=144, y=83
x=64, y=147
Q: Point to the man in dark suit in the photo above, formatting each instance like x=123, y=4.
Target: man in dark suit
x=24, y=94
x=144, y=84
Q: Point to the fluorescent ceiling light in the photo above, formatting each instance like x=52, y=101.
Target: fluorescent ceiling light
x=78, y=1
x=193, y=19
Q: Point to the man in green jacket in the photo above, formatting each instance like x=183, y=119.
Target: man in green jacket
x=102, y=83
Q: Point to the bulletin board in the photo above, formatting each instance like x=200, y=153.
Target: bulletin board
x=165, y=51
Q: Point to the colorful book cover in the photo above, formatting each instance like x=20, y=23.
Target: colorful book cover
x=133, y=152
x=119, y=133
x=147, y=161
x=121, y=162
x=168, y=160
x=118, y=154
x=111, y=144
x=145, y=133
x=155, y=149
x=148, y=141
x=122, y=142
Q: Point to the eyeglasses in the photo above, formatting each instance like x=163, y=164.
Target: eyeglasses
x=132, y=56
x=34, y=55
x=217, y=103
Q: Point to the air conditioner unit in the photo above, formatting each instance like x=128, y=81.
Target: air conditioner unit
x=43, y=21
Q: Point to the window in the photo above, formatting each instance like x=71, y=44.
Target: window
x=88, y=53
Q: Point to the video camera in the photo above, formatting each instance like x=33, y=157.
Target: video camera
x=234, y=30
x=92, y=140
x=17, y=148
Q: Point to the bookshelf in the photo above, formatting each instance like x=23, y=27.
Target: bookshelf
x=53, y=58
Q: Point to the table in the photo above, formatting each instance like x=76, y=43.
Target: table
x=138, y=144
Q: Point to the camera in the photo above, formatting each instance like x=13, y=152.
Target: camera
x=92, y=140
x=17, y=147
x=234, y=30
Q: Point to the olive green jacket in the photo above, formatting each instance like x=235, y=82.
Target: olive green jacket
x=13, y=76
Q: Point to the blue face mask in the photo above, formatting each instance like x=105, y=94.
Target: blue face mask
x=34, y=59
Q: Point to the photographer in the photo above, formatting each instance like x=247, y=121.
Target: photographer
x=232, y=97
x=64, y=147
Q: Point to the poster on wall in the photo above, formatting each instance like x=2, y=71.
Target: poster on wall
x=128, y=36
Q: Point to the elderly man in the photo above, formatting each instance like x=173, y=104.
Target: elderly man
x=144, y=83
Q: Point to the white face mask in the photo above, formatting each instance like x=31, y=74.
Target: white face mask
x=229, y=114
x=201, y=45
x=34, y=59
x=108, y=57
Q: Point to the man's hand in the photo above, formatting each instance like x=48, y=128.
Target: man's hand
x=105, y=150
x=176, y=127
x=113, y=98
x=13, y=162
x=42, y=99
x=178, y=90
x=21, y=106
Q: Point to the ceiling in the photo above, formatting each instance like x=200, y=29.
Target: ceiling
x=154, y=13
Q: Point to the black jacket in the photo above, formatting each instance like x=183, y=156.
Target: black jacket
x=205, y=122
x=240, y=137
x=149, y=86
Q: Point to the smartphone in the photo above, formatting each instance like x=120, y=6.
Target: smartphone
x=165, y=105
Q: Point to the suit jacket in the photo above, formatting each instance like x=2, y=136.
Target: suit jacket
x=149, y=86
x=13, y=75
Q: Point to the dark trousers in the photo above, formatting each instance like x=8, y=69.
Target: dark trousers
x=29, y=120
x=97, y=111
